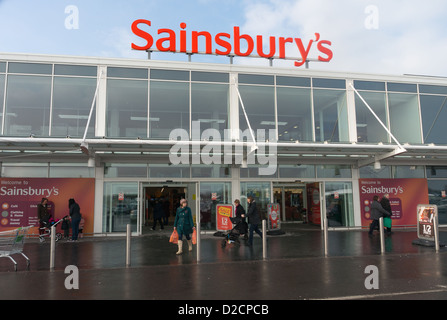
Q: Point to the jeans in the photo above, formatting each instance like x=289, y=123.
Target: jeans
x=180, y=235
x=75, y=228
x=253, y=227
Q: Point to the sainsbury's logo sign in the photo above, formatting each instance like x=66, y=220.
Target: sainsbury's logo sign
x=225, y=44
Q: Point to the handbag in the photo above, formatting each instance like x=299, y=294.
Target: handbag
x=387, y=222
x=194, y=236
x=174, y=237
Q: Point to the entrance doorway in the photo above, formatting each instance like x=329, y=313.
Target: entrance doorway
x=299, y=202
x=163, y=200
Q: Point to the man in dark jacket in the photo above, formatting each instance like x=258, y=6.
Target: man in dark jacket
x=253, y=219
x=385, y=202
x=376, y=213
x=239, y=219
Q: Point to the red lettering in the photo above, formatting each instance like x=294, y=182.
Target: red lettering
x=142, y=34
x=182, y=37
x=223, y=43
x=259, y=47
x=303, y=52
x=282, y=46
x=170, y=39
x=207, y=35
x=328, y=52
x=237, y=44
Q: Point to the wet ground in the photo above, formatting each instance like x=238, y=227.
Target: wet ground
x=295, y=268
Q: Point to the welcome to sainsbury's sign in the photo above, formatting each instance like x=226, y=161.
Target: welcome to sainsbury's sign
x=226, y=44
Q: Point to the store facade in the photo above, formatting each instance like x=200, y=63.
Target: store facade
x=142, y=130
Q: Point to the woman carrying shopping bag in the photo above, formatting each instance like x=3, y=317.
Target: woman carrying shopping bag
x=184, y=225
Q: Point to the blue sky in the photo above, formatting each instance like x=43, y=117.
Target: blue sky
x=392, y=37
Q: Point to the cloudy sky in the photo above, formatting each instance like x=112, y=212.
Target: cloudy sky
x=377, y=36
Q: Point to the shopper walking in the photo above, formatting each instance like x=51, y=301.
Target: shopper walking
x=376, y=213
x=240, y=222
x=253, y=220
x=43, y=215
x=184, y=225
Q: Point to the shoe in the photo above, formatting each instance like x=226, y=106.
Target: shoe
x=180, y=247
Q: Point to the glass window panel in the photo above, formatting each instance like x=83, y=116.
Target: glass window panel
x=369, y=172
x=167, y=171
x=169, y=108
x=408, y=172
x=432, y=89
x=294, y=114
x=125, y=170
x=75, y=70
x=329, y=83
x=24, y=170
x=120, y=206
x=2, y=97
x=137, y=73
x=127, y=102
x=2, y=66
x=210, y=171
x=71, y=170
x=339, y=204
x=259, y=104
x=369, y=85
x=368, y=128
x=27, y=105
x=209, y=105
x=260, y=191
x=72, y=100
x=210, y=76
x=169, y=74
x=331, y=116
x=434, y=118
x=436, y=189
x=254, y=171
x=256, y=79
x=212, y=194
x=436, y=172
x=292, y=81
x=31, y=68
x=402, y=87
x=297, y=171
x=404, y=117
x=334, y=171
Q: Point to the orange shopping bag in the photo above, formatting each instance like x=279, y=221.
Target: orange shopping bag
x=174, y=237
x=194, y=237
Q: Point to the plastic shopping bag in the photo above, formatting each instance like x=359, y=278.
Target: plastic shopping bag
x=194, y=237
x=174, y=237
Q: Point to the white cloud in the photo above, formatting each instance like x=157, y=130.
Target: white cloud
x=410, y=37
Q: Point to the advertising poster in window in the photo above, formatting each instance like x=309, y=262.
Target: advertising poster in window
x=223, y=214
x=19, y=198
x=274, y=216
x=404, y=196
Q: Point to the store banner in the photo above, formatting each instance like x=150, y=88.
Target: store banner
x=274, y=216
x=19, y=198
x=404, y=194
x=223, y=214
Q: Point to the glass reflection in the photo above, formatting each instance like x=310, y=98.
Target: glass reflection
x=404, y=117
x=368, y=128
x=434, y=118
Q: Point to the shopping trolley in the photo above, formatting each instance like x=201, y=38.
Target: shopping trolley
x=11, y=242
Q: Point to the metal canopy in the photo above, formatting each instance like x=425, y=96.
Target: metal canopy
x=113, y=149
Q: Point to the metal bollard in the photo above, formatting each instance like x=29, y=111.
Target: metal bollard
x=52, y=247
x=435, y=226
x=325, y=232
x=382, y=236
x=128, y=235
x=264, y=240
x=198, y=241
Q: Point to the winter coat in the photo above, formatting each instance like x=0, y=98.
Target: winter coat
x=239, y=222
x=42, y=213
x=386, y=204
x=75, y=211
x=253, y=214
x=158, y=210
x=377, y=211
x=183, y=220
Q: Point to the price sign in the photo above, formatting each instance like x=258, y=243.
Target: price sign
x=427, y=215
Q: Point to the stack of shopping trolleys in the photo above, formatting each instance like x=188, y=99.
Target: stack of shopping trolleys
x=11, y=242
